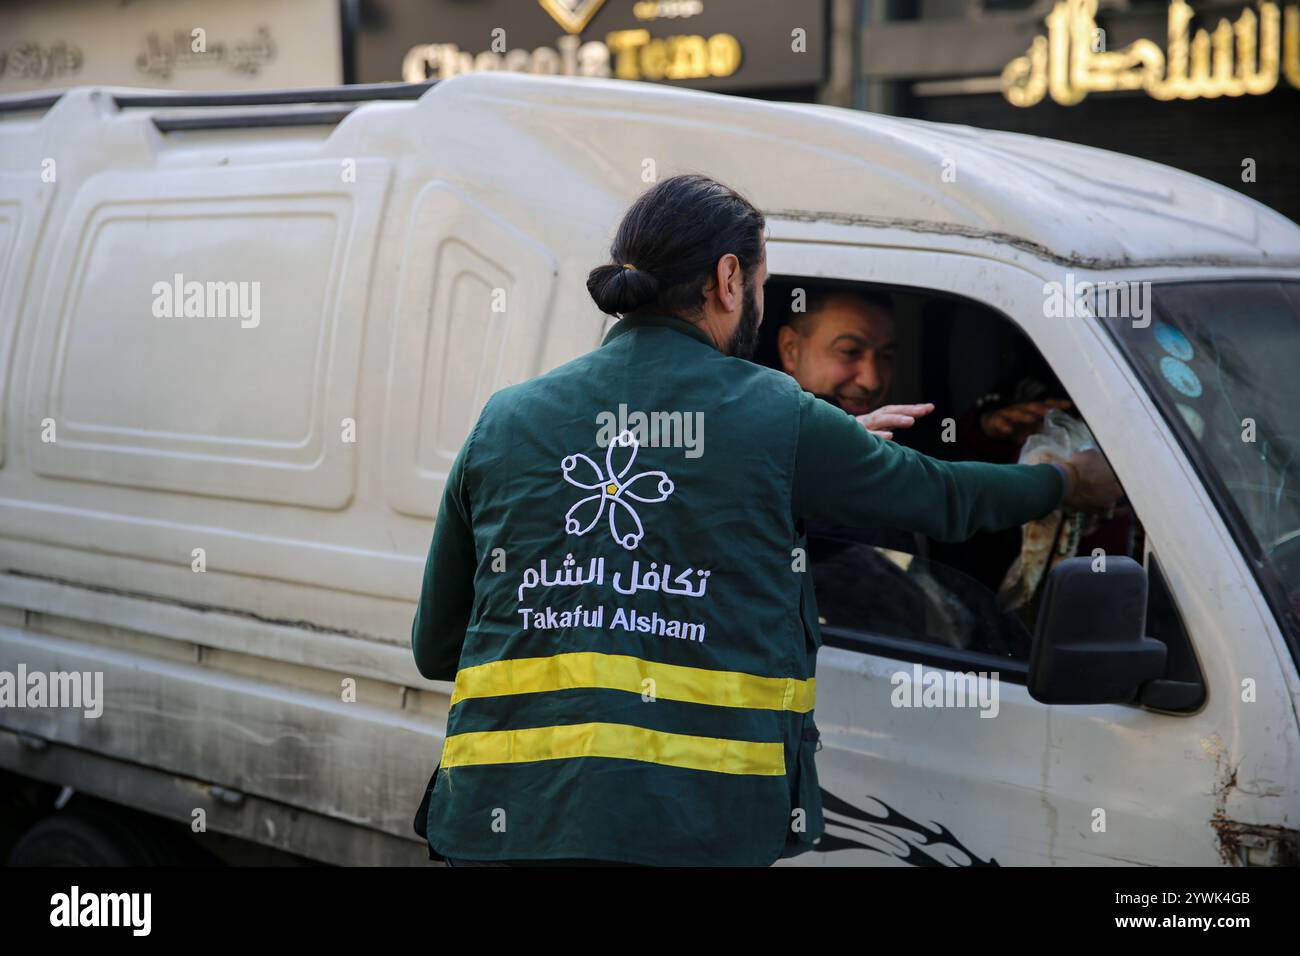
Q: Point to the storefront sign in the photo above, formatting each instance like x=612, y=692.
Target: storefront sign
x=170, y=44
x=35, y=62
x=1234, y=59
x=161, y=57
x=711, y=44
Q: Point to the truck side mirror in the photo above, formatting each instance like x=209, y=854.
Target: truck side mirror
x=1089, y=646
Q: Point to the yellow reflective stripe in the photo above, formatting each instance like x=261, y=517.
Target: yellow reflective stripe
x=621, y=741
x=696, y=685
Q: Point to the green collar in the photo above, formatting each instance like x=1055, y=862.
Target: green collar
x=628, y=323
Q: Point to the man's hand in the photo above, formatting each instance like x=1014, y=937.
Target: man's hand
x=1017, y=422
x=1092, y=486
x=886, y=418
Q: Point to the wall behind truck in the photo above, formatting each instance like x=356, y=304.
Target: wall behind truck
x=1210, y=138
x=943, y=60
x=239, y=44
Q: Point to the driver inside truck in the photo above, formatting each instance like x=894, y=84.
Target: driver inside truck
x=841, y=342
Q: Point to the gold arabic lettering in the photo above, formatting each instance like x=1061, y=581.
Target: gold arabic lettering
x=1245, y=57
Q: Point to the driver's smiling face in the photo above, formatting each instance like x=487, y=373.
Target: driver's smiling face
x=845, y=349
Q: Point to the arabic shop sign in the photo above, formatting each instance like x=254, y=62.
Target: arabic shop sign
x=188, y=50
x=179, y=44
x=1245, y=57
x=707, y=44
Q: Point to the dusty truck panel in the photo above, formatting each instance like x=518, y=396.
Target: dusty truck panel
x=237, y=705
x=234, y=534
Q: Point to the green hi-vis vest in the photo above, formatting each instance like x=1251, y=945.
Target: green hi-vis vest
x=635, y=684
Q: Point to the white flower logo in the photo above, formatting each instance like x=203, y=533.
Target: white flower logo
x=610, y=486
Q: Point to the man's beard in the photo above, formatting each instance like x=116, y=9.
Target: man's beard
x=745, y=339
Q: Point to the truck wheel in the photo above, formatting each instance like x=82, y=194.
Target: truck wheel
x=78, y=839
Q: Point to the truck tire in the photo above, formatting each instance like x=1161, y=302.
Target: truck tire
x=90, y=839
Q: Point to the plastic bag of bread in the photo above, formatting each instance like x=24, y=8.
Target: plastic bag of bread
x=1053, y=538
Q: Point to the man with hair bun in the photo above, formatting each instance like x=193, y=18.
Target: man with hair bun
x=632, y=648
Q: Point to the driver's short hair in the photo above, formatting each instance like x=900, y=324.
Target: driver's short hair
x=816, y=297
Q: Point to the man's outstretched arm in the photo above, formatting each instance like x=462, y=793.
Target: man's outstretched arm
x=846, y=474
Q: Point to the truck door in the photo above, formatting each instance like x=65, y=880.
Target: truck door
x=990, y=776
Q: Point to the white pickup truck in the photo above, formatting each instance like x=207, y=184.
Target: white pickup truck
x=242, y=337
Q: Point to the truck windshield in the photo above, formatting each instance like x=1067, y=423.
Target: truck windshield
x=1223, y=361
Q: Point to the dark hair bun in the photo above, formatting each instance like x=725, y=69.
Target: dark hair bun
x=618, y=291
